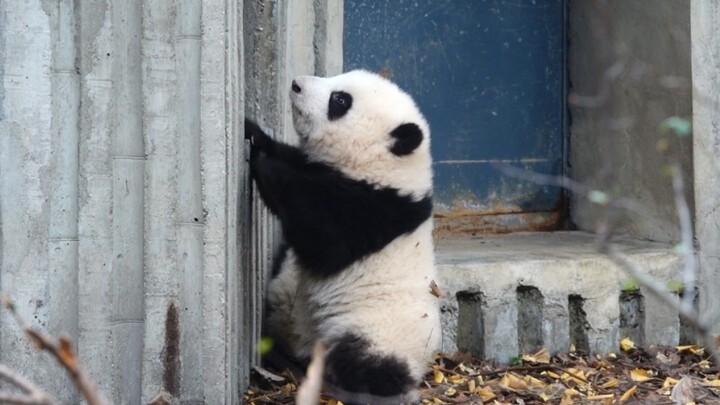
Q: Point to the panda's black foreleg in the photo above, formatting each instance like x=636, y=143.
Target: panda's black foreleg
x=262, y=143
x=266, y=153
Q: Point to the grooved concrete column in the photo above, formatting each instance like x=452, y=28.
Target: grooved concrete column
x=705, y=17
x=123, y=193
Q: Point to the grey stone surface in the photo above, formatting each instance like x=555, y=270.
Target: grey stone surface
x=126, y=216
x=558, y=265
x=120, y=164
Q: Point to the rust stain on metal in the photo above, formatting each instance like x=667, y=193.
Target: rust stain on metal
x=472, y=225
x=498, y=219
x=171, y=352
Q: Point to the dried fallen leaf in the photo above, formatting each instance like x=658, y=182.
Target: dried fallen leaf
x=611, y=383
x=456, y=379
x=435, y=290
x=573, y=374
x=682, y=392
x=512, y=382
x=600, y=397
x=569, y=397
x=626, y=344
x=542, y=356
x=438, y=376
x=628, y=394
x=669, y=382
x=486, y=394
x=471, y=386
x=640, y=375
x=533, y=382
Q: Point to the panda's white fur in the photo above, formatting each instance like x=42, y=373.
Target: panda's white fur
x=377, y=312
x=358, y=145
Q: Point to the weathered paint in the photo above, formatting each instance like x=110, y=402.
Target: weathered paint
x=489, y=76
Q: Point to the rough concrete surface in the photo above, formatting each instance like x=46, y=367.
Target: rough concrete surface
x=629, y=69
x=705, y=17
x=527, y=281
x=127, y=220
x=119, y=171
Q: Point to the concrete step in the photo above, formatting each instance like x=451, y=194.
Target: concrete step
x=515, y=293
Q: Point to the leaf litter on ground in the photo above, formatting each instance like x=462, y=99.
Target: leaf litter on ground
x=681, y=375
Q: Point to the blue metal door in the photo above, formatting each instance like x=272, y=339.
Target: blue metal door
x=489, y=77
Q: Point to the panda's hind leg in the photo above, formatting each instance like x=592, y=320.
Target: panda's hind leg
x=357, y=375
x=279, y=321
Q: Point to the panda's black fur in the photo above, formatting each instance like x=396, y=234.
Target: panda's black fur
x=330, y=220
x=340, y=231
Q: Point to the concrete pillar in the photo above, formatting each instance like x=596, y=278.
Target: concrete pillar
x=123, y=194
x=705, y=17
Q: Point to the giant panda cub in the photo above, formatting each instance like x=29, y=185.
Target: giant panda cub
x=354, y=203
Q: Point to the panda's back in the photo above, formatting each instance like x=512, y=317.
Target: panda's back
x=382, y=304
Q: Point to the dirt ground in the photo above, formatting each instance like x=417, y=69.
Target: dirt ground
x=633, y=375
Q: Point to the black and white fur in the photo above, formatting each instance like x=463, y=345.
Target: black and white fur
x=354, y=203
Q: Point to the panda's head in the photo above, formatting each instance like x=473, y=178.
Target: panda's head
x=365, y=126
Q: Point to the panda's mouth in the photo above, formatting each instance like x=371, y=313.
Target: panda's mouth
x=301, y=122
x=296, y=111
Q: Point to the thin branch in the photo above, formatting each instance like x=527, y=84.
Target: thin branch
x=689, y=273
x=685, y=308
x=62, y=351
x=308, y=392
x=580, y=189
x=660, y=291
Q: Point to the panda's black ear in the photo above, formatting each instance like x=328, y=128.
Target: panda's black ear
x=407, y=138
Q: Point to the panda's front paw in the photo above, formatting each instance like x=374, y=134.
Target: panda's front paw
x=259, y=140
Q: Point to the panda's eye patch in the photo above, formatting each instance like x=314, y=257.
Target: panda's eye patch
x=340, y=103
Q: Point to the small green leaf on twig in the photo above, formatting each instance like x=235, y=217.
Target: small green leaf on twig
x=676, y=286
x=265, y=345
x=629, y=285
x=681, y=126
x=598, y=197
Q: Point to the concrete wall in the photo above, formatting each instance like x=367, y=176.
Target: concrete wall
x=283, y=39
x=120, y=162
x=127, y=218
x=629, y=67
x=706, y=144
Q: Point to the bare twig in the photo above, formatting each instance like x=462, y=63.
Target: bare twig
x=62, y=351
x=686, y=237
x=685, y=308
x=308, y=392
x=575, y=187
x=659, y=290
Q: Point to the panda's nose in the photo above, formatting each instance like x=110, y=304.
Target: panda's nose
x=295, y=87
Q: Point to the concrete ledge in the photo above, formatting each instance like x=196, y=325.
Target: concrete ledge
x=511, y=294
